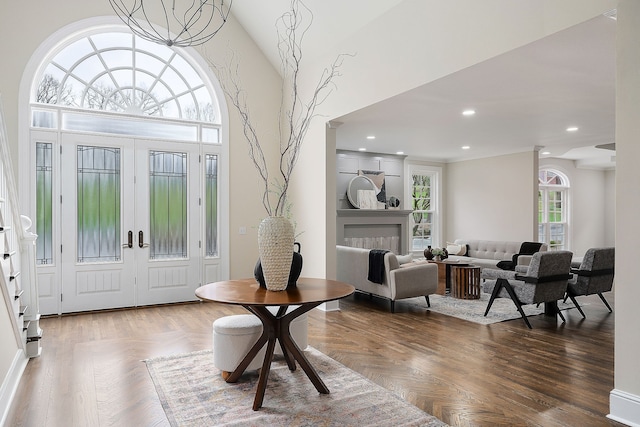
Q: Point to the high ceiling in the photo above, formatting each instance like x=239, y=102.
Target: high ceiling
x=525, y=98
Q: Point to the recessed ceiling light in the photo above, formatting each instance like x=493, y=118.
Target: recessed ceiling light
x=572, y=128
x=371, y=137
x=468, y=112
x=546, y=153
x=399, y=152
x=362, y=149
x=465, y=147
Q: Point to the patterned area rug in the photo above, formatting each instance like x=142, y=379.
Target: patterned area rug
x=193, y=393
x=473, y=310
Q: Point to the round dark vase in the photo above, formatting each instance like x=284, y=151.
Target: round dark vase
x=294, y=274
x=428, y=254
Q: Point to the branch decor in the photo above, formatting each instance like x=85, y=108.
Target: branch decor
x=275, y=233
x=295, y=116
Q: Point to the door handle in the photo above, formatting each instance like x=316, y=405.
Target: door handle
x=141, y=243
x=129, y=243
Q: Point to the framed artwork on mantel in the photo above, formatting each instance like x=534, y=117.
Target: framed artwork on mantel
x=378, y=179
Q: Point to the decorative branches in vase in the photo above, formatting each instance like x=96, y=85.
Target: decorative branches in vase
x=295, y=116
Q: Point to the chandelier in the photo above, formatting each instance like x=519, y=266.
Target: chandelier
x=184, y=22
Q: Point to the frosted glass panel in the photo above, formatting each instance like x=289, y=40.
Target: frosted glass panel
x=44, y=229
x=98, y=204
x=211, y=201
x=120, y=126
x=168, y=205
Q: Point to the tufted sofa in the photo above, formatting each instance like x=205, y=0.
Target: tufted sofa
x=487, y=253
x=406, y=281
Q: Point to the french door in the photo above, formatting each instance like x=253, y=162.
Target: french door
x=130, y=222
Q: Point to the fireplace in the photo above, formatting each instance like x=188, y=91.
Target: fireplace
x=374, y=229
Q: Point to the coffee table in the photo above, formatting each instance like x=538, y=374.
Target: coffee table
x=308, y=294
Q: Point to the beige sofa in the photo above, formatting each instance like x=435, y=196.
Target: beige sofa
x=410, y=280
x=487, y=253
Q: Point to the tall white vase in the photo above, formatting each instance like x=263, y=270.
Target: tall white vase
x=275, y=246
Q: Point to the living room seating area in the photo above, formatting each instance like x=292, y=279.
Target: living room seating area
x=488, y=253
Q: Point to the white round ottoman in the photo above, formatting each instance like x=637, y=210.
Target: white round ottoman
x=233, y=337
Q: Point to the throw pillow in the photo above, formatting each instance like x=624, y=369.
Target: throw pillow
x=506, y=265
x=455, y=249
x=404, y=259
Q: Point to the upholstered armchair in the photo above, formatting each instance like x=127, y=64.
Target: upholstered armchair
x=594, y=276
x=544, y=280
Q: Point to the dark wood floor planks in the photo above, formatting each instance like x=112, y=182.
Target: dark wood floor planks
x=90, y=372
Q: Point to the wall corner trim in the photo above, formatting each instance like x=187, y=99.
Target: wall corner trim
x=624, y=408
x=10, y=383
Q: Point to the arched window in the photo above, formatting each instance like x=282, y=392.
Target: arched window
x=553, y=215
x=116, y=72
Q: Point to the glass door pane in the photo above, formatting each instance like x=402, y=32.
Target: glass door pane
x=44, y=206
x=98, y=202
x=168, y=205
x=211, y=200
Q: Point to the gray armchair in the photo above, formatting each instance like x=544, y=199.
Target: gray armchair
x=594, y=276
x=544, y=280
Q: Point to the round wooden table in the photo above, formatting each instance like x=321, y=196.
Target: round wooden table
x=308, y=294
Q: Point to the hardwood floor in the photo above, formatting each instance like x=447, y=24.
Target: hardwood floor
x=90, y=372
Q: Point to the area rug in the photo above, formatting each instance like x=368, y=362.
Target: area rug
x=473, y=310
x=193, y=393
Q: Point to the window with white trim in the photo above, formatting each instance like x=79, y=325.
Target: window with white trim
x=424, y=188
x=553, y=218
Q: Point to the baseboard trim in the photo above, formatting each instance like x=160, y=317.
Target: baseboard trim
x=624, y=408
x=329, y=306
x=10, y=384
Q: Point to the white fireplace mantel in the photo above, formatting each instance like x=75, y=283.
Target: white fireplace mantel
x=373, y=223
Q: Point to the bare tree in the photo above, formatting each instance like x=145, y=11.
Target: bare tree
x=295, y=114
x=50, y=91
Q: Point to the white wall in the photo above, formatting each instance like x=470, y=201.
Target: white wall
x=625, y=398
x=590, y=199
x=491, y=198
x=610, y=208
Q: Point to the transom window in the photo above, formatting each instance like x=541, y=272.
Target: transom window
x=553, y=225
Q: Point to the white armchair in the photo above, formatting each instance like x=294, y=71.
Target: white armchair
x=398, y=282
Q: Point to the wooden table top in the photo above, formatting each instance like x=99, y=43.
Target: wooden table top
x=248, y=292
x=450, y=262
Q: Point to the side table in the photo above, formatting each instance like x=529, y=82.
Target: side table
x=444, y=274
x=465, y=283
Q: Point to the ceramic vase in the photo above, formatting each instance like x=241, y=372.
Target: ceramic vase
x=275, y=244
x=427, y=253
x=294, y=273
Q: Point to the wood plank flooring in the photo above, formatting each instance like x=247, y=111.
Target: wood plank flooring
x=90, y=372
